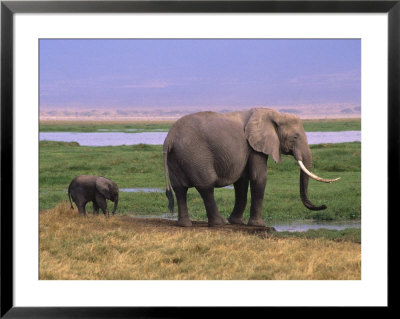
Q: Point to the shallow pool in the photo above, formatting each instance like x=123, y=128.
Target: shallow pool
x=157, y=138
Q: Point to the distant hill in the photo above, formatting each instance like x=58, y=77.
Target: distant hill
x=172, y=113
x=293, y=111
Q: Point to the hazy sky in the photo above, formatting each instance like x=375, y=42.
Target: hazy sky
x=165, y=73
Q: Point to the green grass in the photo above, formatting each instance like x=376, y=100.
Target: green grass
x=349, y=234
x=104, y=126
x=315, y=125
x=332, y=125
x=142, y=166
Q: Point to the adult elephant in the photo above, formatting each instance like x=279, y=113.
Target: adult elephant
x=207, y=150
x=97, y=189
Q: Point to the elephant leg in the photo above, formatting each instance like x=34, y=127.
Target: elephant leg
x=80, y=202
x=213, y=215
x=102, y=203
x=241, y=189
x=81, y=208
x=183, y=215
x=258, y=181
x=95, y=208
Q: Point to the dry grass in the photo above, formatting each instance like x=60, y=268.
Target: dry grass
x=126, y=248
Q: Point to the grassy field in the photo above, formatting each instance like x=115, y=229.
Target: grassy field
x=332, y=125
x=312, y=125
x=101, y=126
x=140, y=166
x=122, y=248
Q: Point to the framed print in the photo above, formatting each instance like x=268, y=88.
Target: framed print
x=80, y=80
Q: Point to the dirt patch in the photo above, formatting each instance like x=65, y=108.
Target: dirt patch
x=170, y=225
x=149, y=224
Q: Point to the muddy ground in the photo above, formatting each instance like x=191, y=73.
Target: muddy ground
x=170, y=225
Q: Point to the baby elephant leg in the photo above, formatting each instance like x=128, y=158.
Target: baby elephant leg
x=81, y=209
x=95, y=208
x=102, y=203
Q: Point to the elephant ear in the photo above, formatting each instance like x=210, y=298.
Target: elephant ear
x=103, y=186
x=261, y=133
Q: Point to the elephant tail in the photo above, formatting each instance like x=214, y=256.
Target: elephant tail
x=69, y=197
x=168, y=192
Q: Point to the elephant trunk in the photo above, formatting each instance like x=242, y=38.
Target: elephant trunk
x=304, y=177
x=115, y=205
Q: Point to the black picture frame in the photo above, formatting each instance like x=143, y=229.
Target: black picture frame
x=9, y=8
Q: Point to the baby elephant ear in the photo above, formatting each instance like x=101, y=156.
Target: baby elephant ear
x=103, y=186
x=261, y=133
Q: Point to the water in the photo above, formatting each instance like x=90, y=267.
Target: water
x=289, y=226
x=304, y=225
x=142, y=190
x=131, y=130
x=333, y=137
x=105, y=138
x=151, y=190
x=157, y=138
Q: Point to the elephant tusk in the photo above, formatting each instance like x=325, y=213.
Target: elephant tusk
x=305, y=170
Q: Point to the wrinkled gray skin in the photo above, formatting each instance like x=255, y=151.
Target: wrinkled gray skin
x=207, y=150
x=97, y=189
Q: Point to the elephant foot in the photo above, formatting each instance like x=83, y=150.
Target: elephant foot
x=215, y=222
x=256, y=222
x=184, y=222
x=235, y=220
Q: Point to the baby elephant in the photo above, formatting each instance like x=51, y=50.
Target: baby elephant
x=86, y=188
